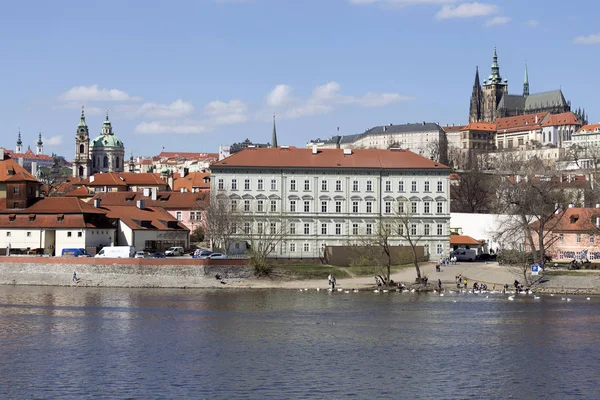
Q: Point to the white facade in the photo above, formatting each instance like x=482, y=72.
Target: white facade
x=329, y=206
x=143, y=239
x=54, y=239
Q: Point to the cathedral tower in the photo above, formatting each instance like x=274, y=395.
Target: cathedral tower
x=493, y=90
x=40, y=145
x=82, y=162
x=526, y=83
x=476, y=108
x=19, y=148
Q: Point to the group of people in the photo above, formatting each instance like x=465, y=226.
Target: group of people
x=460, y=281
x=482, y=286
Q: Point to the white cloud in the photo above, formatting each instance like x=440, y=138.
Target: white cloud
x=89, y=110
x=326, y=98
x=281, y=95
x=52, y=141
x=221, y=113
x=533, y=23
x=466, y=10
x=157, y=127
x=176, y=109
x=496, y=21
x=400, y=2
x=594, y=38
x=94, y=93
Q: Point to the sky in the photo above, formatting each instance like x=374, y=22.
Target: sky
x=191, y=75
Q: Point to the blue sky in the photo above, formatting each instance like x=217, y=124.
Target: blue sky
x=193, y=75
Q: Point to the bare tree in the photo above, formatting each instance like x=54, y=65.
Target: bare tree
x=375, y=249
x=476, y=191
x=222, y=222
x=407, y=229
x=264, y=236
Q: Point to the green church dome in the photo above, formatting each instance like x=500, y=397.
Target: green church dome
x=107, y=141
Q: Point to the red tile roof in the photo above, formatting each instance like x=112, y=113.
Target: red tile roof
x=124, y=179
x=292, y=157
x=567, y=118
x=81, y=191
x=148, y=218
x=574, y=220
x=166, y=200
x=193, y=180
x=588, y=128
x=453, y=128
x=54, y=221
x=519, y=123
x=480, y=126
x=11, y=171
x=458, y=240
x=188, y=155
x=29, y=155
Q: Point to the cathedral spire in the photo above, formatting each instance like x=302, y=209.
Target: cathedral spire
x=526, y=83
x=19, y=148
x=274, y=136
x=495, y=75
x=476, y=84
x=476, y=107
x=82, y=120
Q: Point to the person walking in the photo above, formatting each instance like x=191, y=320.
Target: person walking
x=329, y=281
x=75, y=276
x=465, y=283
x=439, y=284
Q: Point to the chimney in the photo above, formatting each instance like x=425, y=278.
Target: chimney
x=154, y=194
x=597, y=205
x=314, y=149
x=597, y=222
x=34, y=168
x=97, y=203
x=571, y=205
x=92, y=179
x=141, y=204
x=536, y=119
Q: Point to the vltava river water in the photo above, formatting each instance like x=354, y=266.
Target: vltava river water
x=141, y=344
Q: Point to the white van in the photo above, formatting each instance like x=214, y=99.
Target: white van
x=464, y=254
x=116, y=252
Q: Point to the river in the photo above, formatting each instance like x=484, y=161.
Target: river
x=71, y=342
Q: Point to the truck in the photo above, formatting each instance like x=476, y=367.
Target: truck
x=116, y=252
x=464, y=254
x=74, y=253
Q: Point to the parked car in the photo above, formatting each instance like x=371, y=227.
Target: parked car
x=158, y=254
x=203, y=254
x=464, y=254
x=116, y=252
x=217, y=256
x=174, y=251
x=141, y=254
x=75, y=253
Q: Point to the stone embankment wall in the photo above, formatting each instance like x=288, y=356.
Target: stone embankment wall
x=168, y=273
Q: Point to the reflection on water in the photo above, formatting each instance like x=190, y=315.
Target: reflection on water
x=117, y=343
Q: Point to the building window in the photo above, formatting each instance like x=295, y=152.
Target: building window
x=16, y=189
x=440, y=248
x=306, y=247
x=246, y=227
x=292, y=228
x=401, y=207
x=234, y=228
x=338, y=186
x=220, y=184
x=292, y=247
x=426, y=186
x=234, y=184
x=561, y=238
x=307, y=229
x=324, y=186
x=440, y=207
x=233, y=205
x=369, y=229
x=259, y=228
x=440, y=229
x=293, y=185
x=338, y=206
x=426, y=229
x=400, y=229
x=388, y=186
x=306, y=206
x=28, y=234
x=401, y=186
x=246, y=205
x=355, y=229
x=413, y=186
x=273, y=205
x=8, y=234
x=440, y=186
x=273, y=184
x=355, y=186
x=591, y=238
x=338, y=229
x=323, y=229
x=369, y=186
x=369, y=206
x=260, y=184
x=413, y=207
x=355, y=207
x=578, y=238
x=69, y=234
x=426, y=207
x=306, y=185
x=272, y=228
x=413, y=229
x=388, y=207
x=324, y=206
x=179, y=216
x=196, y=216
x=247, y=184
x=292, y=205
x=520, y=141
x=260, y=205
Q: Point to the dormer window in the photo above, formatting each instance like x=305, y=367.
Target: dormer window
x=31, y=217
x=60, y=217
x=12, y=217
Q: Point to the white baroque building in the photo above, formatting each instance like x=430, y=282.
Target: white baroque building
x=335, y=196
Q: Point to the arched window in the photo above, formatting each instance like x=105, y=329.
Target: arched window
x=105, y=163
x=117, y=165
x=81, y=148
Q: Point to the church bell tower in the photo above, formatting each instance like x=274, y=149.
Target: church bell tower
x=82, y=163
